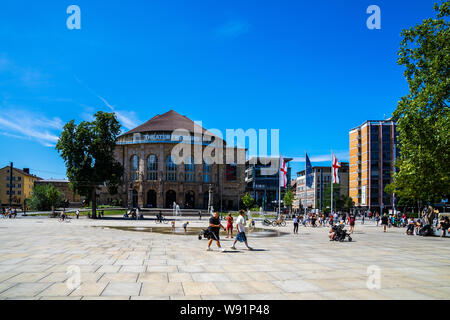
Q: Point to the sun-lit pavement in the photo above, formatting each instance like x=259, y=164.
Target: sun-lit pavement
x=36, y=255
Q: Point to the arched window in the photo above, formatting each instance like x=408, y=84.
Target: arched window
x=152, y=167
x=206, y=173
x=134, y=165
x=189, y=170
x=171, y=169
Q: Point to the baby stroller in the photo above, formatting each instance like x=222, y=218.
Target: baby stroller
x=340, y=233
x=426, y=230
x=204, y=234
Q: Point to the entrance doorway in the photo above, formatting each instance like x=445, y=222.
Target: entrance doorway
x=171, y=197
x=151, y=199
x=190, y=200
x=135, y=198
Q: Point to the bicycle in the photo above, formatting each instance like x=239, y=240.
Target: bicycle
x=279, y=223
x=162, y=220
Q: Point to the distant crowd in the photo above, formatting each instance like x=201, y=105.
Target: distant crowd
x=9, y=212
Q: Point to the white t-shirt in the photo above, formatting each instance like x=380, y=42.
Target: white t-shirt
x=240, y=221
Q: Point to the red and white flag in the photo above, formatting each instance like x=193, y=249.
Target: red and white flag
x=283, y=173
x=335, y=165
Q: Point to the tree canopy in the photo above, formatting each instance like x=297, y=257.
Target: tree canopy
x=88, y=152
x=288, y=198
x=247, y=200
x=423, y=115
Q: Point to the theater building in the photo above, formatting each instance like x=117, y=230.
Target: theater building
x=154, y=178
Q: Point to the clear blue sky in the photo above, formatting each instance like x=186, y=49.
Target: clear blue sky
x=309, y=68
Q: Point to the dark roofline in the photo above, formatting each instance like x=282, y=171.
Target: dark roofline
x=373, y=122
x=22, y=172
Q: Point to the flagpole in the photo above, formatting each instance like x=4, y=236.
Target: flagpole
x=279, y=189
x=306, y=192
x=332, y=179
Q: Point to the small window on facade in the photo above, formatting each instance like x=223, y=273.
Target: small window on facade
x=231, y=172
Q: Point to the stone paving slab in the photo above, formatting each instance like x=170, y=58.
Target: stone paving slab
x=124, y=265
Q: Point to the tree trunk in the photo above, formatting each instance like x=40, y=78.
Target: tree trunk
x=94, y=203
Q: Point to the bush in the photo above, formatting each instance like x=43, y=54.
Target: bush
x=45, y=197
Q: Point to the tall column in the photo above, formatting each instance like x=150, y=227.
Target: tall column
x=141, y=176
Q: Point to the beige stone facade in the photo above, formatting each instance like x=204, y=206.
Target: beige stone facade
x=152, y=180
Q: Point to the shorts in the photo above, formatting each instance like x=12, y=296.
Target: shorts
x=241, y=237
x=230, y=227
x=213, y=235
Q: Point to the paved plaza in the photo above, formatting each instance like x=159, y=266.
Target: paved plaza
x=37, y=253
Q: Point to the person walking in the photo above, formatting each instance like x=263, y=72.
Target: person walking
x=214, y=229
x=352, y=220
x=229, y=226
x=377, y=218
x=295, y=220
x=200, y=215
x=384, y=221
x=77, y=213
x=240, y=226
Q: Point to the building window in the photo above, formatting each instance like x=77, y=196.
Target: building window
x=189, y=170
x=206, y=173
x=19, y=178
x=152, y=167
x=134, y=165
x=231, y=172
x=19, y=192
x=171, y=169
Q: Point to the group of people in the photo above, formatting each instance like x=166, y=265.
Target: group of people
x=133, y=214
x=322, y=220
x=214, y=229
x=9, y=212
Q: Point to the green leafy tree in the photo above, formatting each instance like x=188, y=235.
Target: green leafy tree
x=45, y=197
x=423, y=115
x=338, y=199
x=88, y=151
x=288, y=198
x=247, y=200
x=349, y=204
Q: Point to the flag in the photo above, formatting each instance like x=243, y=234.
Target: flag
x=335, y=165
x=308, y=172
x=283, y=173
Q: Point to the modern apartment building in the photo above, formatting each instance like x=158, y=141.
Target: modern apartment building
x=313, y=197
x=262, y=180
x=373, y=150
x=18, y=184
